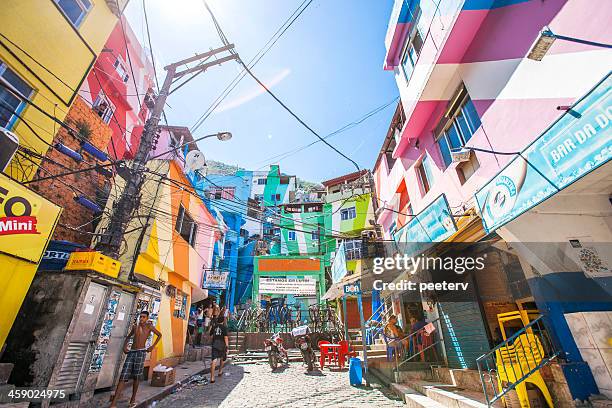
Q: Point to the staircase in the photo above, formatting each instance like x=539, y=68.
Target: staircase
x=428, y=391
x=376, y=350
x=236, y=343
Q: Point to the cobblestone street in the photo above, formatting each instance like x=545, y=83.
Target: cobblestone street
x=257, y=386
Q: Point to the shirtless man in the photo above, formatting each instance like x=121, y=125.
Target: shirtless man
x=134, y=362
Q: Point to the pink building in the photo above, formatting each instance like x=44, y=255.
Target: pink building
x=466, y=81
x=122, y=101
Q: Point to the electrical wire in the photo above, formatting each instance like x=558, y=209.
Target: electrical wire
x=256, y=58
x=127, y=53
x=273, y=95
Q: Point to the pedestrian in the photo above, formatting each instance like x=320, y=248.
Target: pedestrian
x=134, y=362
x=220, y=344
x=191, y=330
x=199, y=322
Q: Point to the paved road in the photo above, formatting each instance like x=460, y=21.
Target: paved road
x=255, y=385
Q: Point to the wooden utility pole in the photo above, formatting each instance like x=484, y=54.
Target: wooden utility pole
x=129, y=199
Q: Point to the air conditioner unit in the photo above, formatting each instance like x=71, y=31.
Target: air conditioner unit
x=460, y=156
x=9, y=142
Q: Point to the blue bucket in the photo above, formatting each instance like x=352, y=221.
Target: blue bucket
x=355, y=371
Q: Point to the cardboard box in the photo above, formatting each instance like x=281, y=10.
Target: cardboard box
x=162, y=379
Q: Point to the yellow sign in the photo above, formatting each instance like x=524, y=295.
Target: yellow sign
x=27, y=221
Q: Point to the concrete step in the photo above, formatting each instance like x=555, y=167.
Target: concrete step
x=451, y=396
x=412, y=398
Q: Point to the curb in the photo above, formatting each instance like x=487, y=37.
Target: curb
x=167, y=391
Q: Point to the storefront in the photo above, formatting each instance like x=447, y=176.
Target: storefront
x=552, y=204
x=27, y=221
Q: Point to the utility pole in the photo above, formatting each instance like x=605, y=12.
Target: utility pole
x=129, y=199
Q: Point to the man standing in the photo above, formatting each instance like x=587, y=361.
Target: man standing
x=134, y=362
x=220, y=344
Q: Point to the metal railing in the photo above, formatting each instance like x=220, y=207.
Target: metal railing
x=513, y=361
x=275, y=318
x=415, y=341
x=376, y=323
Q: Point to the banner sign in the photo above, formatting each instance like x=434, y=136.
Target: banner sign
x=434, y=224
x=27, y=220
x=352, y=288
x=286, y=286
x=214, y=279
x=576, y=144
x=339, y=265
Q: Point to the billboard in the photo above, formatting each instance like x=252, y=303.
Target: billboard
x=576, y=144
x=213, y=279
x=288, y=286
x=434, y=224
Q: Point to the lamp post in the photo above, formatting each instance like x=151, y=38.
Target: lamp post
x=546, y=39
x=222, y=136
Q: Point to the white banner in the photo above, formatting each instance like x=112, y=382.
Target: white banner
x=285, y=286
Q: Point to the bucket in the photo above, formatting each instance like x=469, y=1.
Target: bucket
x=355, y=372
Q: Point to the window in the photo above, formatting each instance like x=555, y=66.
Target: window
x=121, y=70
x=466, y=169
x=314, y=235
x=103, y=107
x=262, y=181
x=217, y=193
x=74, y=10
x=291, y=235
x=457, y=126
x=12, y=101
x=186, y=226
x=275, y=198
x=411, y=55
x=348, y=213
x=425, y=174
x=352, y=249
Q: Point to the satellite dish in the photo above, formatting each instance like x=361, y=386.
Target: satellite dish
x=195, y=160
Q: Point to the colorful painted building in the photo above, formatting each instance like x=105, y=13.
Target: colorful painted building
x=37, y=86
x=171, y=239
x=472, y=93
x=121, y=101
x=229, y=195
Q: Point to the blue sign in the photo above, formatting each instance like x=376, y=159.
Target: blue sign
x=339, y=265
x=576, y=144
x=434, y=224
x=213, y=279
x=352, y=288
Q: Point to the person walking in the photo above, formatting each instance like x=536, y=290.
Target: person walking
x=134, y=363
x=220, y=344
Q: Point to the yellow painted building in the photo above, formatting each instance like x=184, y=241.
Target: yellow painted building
x=26, y=223
x=47, y=48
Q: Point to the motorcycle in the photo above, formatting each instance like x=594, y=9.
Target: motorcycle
x=302, y=342
x=276, y=352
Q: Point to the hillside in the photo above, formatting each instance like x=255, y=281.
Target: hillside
x=217, y=167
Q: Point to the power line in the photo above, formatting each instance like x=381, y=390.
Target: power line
x=276, y=98
x=127, y=53
x=256, y=58
x=344, y=128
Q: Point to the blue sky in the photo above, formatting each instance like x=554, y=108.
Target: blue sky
x=327, y=67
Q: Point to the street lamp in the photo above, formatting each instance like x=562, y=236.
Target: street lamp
x=546, y=39
x=222, y=136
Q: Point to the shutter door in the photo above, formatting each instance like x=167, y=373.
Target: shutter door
x=465, y=336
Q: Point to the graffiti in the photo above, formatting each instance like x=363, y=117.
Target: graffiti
x=105, y=332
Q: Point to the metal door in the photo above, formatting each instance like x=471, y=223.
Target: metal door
x=82, y=339
x=114, y=353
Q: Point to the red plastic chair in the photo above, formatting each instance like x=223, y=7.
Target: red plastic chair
x=324, y=352
x=344, y=352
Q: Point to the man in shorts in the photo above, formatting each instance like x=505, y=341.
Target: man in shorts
x=220, y=344
x=134, y=362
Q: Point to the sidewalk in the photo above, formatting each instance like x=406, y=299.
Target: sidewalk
x=147, y=394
